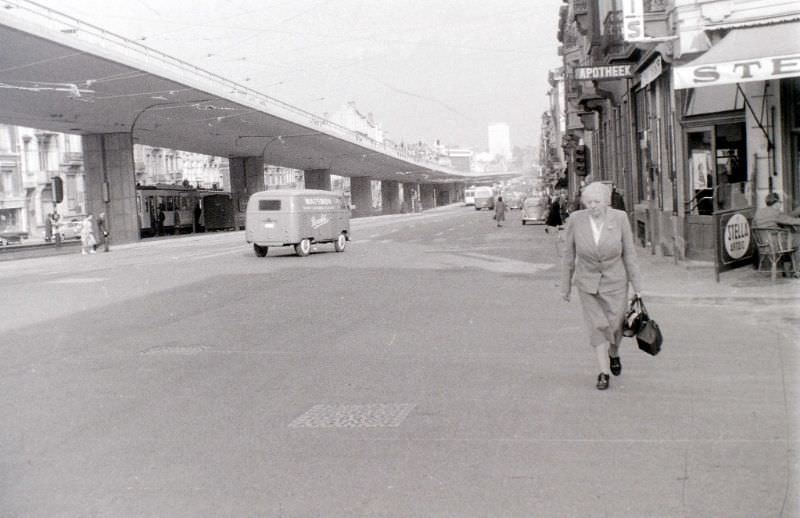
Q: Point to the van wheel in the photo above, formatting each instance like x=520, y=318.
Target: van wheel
x=261, y=251
x=303, y=248
x=340, y=243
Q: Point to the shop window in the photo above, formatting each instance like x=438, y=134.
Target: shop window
x=792, y=107
x=733, y=190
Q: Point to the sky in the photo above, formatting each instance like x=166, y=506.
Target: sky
x=426, y=70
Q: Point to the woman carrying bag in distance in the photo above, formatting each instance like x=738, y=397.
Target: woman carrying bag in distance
x=600, y=258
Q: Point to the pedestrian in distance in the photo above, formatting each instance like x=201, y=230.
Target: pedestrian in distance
x=56, y=223
x=600, y=259
x=553, y=215
x=161, y=218
x=102, y=230
x=617, y=200
x=500, y=211
x=48, y=227
x=554, y=222
x=88, y=241
x=197, y=212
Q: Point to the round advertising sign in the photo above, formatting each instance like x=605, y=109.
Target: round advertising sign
x=737, y=236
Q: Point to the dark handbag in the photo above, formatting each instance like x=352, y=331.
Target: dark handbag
x=649, y=337
x=633, y=318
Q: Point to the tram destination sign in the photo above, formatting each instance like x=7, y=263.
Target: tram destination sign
x=599, y=73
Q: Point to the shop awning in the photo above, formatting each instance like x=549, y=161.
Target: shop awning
x=745, y=54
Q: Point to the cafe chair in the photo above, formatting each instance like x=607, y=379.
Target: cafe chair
x=774, y=245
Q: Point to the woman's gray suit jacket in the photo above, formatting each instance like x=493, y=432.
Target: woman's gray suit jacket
x=607, y=266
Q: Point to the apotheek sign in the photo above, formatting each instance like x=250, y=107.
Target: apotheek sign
x=602, y=72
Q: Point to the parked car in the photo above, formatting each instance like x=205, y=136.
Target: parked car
x=514, y=200
x=534, y=210
x=70, y=229
x=12, y=237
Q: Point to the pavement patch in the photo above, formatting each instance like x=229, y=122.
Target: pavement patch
x=354, y=416
x=78, y=280
x=184, y=350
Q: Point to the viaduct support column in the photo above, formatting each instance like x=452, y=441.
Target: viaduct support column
x=247, y=177
x=445, y=194
x=318, y=179
x=428, y=195
x=411, y=199
x=390, y=196
x=361, y=195
x=110, y=183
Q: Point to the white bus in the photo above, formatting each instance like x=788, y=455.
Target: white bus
x=469, y=195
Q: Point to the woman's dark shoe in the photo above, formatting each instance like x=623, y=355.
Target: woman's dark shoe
x=602, y=381
x=616, y=365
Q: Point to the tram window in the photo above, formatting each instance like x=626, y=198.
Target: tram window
x=269, y=204
x=170, y=203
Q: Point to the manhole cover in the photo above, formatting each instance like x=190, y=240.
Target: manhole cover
x=353, y=416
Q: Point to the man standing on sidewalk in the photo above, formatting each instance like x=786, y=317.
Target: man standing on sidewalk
x=771, y=217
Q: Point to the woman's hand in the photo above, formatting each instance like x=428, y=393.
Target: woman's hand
x=565, y=296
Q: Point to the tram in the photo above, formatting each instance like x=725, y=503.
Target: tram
x=175, y=209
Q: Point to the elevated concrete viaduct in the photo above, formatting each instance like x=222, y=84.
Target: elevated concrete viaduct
x=61, y=74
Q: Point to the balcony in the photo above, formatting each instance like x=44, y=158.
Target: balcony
x=72, y=158
x=612, y=43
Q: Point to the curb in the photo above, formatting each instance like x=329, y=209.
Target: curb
x=725, y=300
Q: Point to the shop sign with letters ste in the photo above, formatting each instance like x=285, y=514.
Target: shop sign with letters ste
x=758, y=69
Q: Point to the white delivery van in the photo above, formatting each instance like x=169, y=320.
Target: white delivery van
x=297, y=218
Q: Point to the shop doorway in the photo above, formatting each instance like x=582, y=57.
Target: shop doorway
x=717, y=181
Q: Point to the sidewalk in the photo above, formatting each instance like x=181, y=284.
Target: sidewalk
x=693, y=282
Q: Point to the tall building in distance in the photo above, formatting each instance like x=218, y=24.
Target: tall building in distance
x=500, y=140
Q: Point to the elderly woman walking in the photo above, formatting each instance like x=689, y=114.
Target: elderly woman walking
x=600, y=259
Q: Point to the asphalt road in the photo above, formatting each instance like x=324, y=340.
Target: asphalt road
x=429, y=370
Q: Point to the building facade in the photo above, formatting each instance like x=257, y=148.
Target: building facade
x=156, y=165
x=349, y=117
x=29, y=161
x=691, y=109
